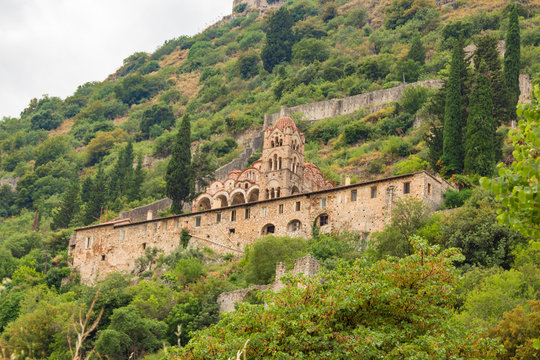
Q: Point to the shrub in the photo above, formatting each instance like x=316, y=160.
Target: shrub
x=356, y=131
x=454, y=198
x=411, y=165
x=248, y=65
x=413, y=98
x=308, y=50
x=262, y=256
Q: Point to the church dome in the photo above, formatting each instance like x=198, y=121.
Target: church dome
x=285, y=122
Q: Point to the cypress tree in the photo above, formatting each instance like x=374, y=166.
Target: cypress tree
x=179, y=178
x=86, y=189
x=417, y=52
x=512, y=61
x=69, y=207
x=134, y=188
x=279, y=39
x=480, y=136
x=96, y=201
x=453, y=114
x=486, y=50
x=122, y=173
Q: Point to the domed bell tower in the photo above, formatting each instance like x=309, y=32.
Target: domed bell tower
x=282, y=160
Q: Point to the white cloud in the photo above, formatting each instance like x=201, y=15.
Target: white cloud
x=52, y=46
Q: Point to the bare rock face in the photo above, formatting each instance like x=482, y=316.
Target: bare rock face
x=259, y=4
x=10, y=181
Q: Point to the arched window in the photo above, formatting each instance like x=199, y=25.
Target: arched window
x=278, y=192
x=280, y=142
x=268, y=229
x=267, y=194
x=272, y=143
x=279, y=164
x=272, y=193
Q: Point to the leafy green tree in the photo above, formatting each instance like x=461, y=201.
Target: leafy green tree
x=309, y=50
x=160, y=115
x=400, y=308
x=69, y=207
x=248, y=64
x=130, y=333
x=454, y=122
x=401, y=11
x=473, y=228
x=512, y=60
x=279, y=39
x=7, y=201
x=96, y=201
x=179, y=177
x=132, y=89
x=262, y=256
x=46, y=120
x=518, y=330
x=518, y=195
x=408, y=216
x=480, y=133
x=52, y=149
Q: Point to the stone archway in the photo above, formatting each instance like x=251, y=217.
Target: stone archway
x=221, y=201
x=204, y=204
x=238, y=198
x=253, y=195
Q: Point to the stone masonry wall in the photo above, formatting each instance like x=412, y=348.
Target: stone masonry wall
x=101, y=249
x=147, y=212
x=372, y=101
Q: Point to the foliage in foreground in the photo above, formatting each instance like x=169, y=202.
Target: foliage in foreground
x=400, y=308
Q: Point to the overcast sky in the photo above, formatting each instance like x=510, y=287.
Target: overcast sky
x=52, y=46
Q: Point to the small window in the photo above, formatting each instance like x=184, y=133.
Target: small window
x=248, y=213
x=298, y=206
x=281, y=208
x=232, y=231
x=89, y=242
x=323, y=202
x=323, y=220
x=264, y=212
x=429, y=189
x=233, y=215
x=102, y=257
x=144, y=246
x=218, y=217
x=373, y=192
x=354, y=194
x=198, y=221
x=407, y=188
x=122, y=234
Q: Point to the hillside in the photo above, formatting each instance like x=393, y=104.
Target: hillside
x=71, y=162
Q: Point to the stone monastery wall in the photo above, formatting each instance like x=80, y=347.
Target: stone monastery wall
x=101, y=249
x=330, y=108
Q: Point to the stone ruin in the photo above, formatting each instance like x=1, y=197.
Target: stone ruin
x=307, y=266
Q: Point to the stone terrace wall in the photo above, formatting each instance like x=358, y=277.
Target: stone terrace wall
x=372, y=101
x=241, y=162
x=147, y=212
x=10, y=181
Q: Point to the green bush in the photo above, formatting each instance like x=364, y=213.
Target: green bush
x=309, y=50
x=455, y=198
x=356, y=131
x=262, y=256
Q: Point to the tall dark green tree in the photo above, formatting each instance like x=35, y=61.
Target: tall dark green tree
x=69, y=207
x=417, y=52
x=279, y=39
x=512, y=61
x=96, y=201
x=122, y=173
x=480, y=136
x=134, y=191
x=454, y=121
x=179, y=177
x=486, y=50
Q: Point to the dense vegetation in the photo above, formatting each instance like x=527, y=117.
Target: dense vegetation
x=112, y=145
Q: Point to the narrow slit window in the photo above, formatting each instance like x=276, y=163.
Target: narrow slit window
x=281, y=208
x=407, y=188
x=248, y=213
x=373, y=192
x=233, y=215
x=354, y=195
x=298, y=206
x=198, y=221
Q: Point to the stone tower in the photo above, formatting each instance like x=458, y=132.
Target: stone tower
x=282, y=159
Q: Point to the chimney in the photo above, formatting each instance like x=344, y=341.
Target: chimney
x=348, y=180
x=149, y=215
